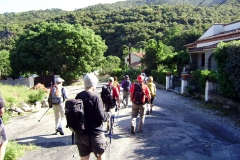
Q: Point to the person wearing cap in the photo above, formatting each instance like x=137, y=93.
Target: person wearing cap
x=153, y=90
x=115, y=83
x=144, y=95
x=93, y=140
x=3, y=136
x=126, y=84
x=115, y=94
x=59, y=107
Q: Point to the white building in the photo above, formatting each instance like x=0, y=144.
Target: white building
x=201, y=51
x=135, y=59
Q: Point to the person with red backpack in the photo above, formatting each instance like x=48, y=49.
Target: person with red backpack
x=140, y=95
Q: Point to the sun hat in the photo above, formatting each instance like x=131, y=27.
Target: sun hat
x=59, y=80
x=111, y=79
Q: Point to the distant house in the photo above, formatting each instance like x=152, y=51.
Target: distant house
x=201, y=51
x=135, y=59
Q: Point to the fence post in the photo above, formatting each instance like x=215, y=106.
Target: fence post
x=183, y=85
x=209, y=86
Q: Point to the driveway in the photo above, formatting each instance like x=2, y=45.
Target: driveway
x=179, y=128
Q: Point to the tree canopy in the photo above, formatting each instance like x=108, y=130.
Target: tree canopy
x=69, y=50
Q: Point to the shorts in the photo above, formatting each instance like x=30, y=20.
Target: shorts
x=98, y=144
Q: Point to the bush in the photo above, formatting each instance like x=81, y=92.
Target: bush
x=15, y=150
x=37, y=96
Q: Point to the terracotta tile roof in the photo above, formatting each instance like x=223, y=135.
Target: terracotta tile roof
x=138, y=54
x=223, y=35
x=191, y=50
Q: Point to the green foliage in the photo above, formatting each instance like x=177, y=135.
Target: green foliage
x=46, y=47
x=13, y=95
x=198, y=80
x=5, y=68
x=111, y=64
x=37, y=96
x=227, y=56
x=14, y=150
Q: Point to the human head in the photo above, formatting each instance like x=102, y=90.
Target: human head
x=90, y=80
x=140, y=78
x=115, y=78
x=111, y=79
x=59, y=80
x=126, y=77
x=150, y=79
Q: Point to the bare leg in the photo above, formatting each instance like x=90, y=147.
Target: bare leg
x=101, y=156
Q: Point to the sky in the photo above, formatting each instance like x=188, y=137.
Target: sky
x=27, y=5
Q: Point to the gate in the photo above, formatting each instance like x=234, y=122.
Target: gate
x=176, y=84
x=46, y=80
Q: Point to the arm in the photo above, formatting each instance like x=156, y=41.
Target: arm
x=3, y=149
x=64, y=94
x=100, y=114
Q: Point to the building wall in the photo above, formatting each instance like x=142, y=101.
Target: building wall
x=134, y=58
x=29, y=82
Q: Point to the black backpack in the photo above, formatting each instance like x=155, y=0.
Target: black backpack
x=126, y=85
x=139, y=95
x=74, y=111
x=106, y=95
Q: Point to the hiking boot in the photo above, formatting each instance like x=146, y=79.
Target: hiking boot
x=132, y=130
x=60, y=130
x=151, y=110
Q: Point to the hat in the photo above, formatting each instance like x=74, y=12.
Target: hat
x=90, y=80
x=111, y=79
x=59, y=80
x=126, y=76
x=1, y=103
x=140, y=78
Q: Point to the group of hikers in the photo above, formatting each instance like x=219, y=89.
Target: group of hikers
x=97, y=109
x=100, y=108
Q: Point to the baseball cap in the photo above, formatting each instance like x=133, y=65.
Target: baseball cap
x=126, y=76
x=111, y=79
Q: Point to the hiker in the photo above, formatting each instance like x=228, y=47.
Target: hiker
x=115, y=83
x=140, y=95
x=93, y=140
x=126, y=84
x=152, y=88
x=115, y=95
x=3, y=136
x=58, y=96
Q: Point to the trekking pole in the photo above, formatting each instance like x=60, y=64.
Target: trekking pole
x=43, y=115
x=110, y=133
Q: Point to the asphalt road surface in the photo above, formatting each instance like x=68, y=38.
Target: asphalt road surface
x=178, y=129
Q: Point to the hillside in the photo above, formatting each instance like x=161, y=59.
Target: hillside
x=136, y=24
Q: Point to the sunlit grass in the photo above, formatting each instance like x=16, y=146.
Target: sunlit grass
x=15, y=150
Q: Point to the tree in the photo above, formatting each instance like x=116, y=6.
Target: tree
x=156, y=54
x=68, y=50
x=110, y=64
x=5, y=69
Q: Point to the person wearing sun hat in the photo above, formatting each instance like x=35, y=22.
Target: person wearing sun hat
x=58, y=108
x=3, y=136
x=93, y=140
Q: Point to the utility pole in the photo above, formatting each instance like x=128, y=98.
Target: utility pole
x=129, y=51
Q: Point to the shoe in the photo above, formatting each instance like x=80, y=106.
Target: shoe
x=132, y=130
x=147, y=113
x=60, y=130
x=151, y=110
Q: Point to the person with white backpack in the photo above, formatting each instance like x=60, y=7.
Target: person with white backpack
x=57, y=97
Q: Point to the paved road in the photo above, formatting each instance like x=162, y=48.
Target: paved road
x=178, y=129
